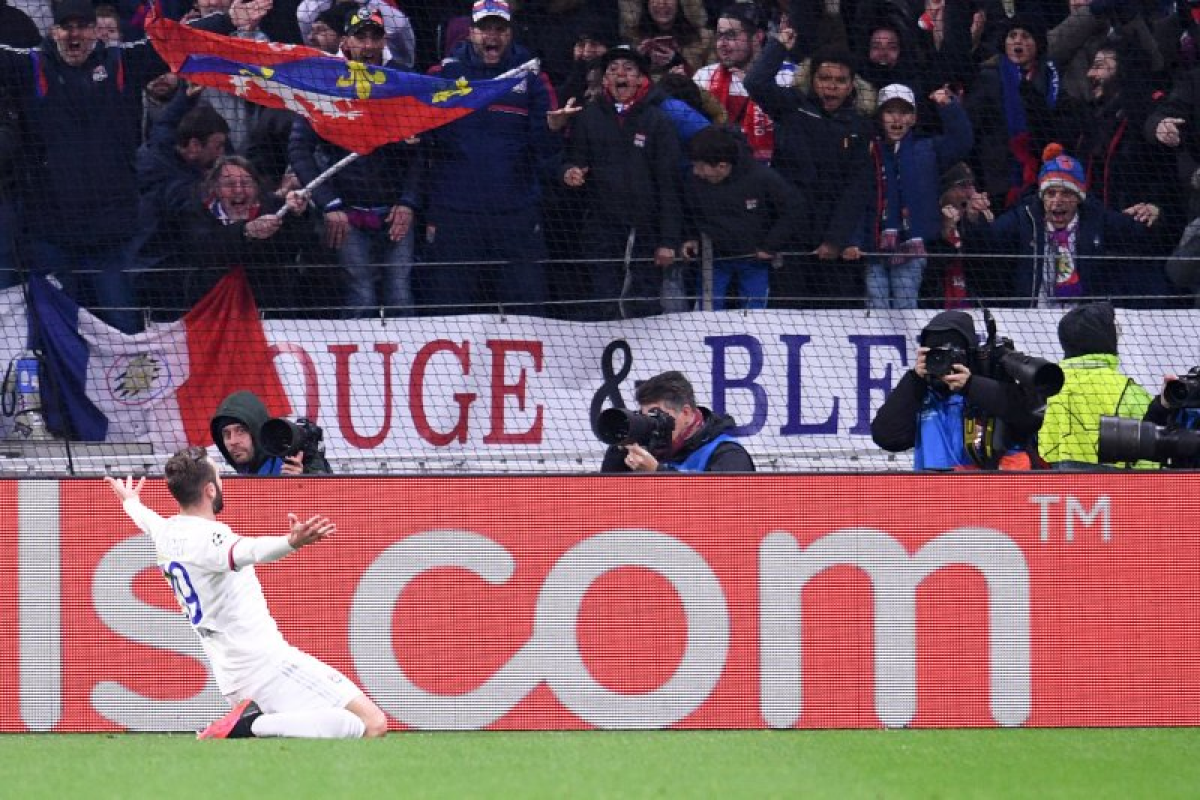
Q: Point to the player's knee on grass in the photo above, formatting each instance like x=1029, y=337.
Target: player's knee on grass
x=375, y=722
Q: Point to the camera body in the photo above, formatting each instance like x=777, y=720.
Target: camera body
x=1184, y=392
x=281, y=437
x=940, y=360
x=653, y=430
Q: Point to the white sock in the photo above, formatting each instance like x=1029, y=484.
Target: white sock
x=327, y=723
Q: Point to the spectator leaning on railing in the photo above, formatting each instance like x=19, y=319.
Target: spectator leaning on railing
x=370, y=206
x=1061, y=236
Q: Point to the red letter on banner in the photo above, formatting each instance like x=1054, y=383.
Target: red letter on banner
x=416, y=395
x=500, y=349
x=342, y=353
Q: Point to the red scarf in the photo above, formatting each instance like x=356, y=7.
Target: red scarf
x=638, y=96
x=757, y=126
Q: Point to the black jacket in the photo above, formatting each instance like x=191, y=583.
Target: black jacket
x=728, y=457
x=633, y=177
x=753, y=209
x=168, y=186
x=1046, y=122
x=824, y=155
x=895, y=425
x=1021, y=232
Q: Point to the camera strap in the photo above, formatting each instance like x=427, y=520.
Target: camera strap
x=977, y=439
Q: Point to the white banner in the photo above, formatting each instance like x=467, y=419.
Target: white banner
x=517, y=393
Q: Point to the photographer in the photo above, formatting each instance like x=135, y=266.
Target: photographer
x=950, y=414
x=1094, y=387
x=684, y=436
x=237, y=432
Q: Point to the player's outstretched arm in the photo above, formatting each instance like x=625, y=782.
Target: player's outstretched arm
x=129, y=494
x=310, y=531
x=264, y=549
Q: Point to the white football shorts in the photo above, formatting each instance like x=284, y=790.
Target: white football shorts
x=298, y=682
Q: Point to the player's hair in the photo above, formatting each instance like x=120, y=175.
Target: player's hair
x=670, y=388
x=188, y=471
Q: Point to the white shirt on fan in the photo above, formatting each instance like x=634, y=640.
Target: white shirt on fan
x=225, y=605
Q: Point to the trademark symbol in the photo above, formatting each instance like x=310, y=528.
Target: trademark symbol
x=1073, y=511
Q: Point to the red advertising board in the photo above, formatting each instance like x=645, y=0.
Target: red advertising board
x=642, y=602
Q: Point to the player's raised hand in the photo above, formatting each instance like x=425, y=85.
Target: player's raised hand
x=311, y=530
x=125, y=489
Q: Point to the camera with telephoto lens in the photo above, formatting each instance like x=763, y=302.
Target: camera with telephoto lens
x=1002, y=359
x=1183, y=392
x=281, y=437
x=940, y=360
x=620, y=427
x=1128, y=440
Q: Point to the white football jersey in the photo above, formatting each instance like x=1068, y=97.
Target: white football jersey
x=224, y=605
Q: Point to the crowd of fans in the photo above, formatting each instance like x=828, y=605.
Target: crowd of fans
x=886, y=152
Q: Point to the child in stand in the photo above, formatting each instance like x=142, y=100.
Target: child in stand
x=904, y=212
x=748, y=211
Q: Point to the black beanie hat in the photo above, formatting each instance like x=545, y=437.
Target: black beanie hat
x=1090, y=328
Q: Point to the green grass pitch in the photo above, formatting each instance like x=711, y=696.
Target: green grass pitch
x=1095, y=763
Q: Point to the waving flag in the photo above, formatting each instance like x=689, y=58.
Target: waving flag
x=161, y=386
x=356, y=106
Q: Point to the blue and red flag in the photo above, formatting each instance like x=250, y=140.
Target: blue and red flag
x=356, y=106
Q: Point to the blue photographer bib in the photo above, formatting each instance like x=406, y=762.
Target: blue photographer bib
x=940, y=444
x=698, y=461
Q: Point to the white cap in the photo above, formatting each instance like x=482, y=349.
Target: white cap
x=896, y=91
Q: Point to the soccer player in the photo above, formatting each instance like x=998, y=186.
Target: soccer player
x=275, y=689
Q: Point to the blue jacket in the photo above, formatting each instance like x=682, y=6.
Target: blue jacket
x=919, y=162
x=1021, y=231
x=77, y=171
x=492, y=161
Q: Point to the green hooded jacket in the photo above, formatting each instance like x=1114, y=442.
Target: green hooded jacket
x=246, y=407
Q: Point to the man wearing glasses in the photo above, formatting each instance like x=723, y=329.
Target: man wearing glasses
x=740, y=37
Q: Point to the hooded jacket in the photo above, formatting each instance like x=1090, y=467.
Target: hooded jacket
x=727, y=456
x=246, y=408
x=1094, y=386
x=916, y=409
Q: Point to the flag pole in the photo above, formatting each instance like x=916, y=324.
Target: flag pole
x=532, y=65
